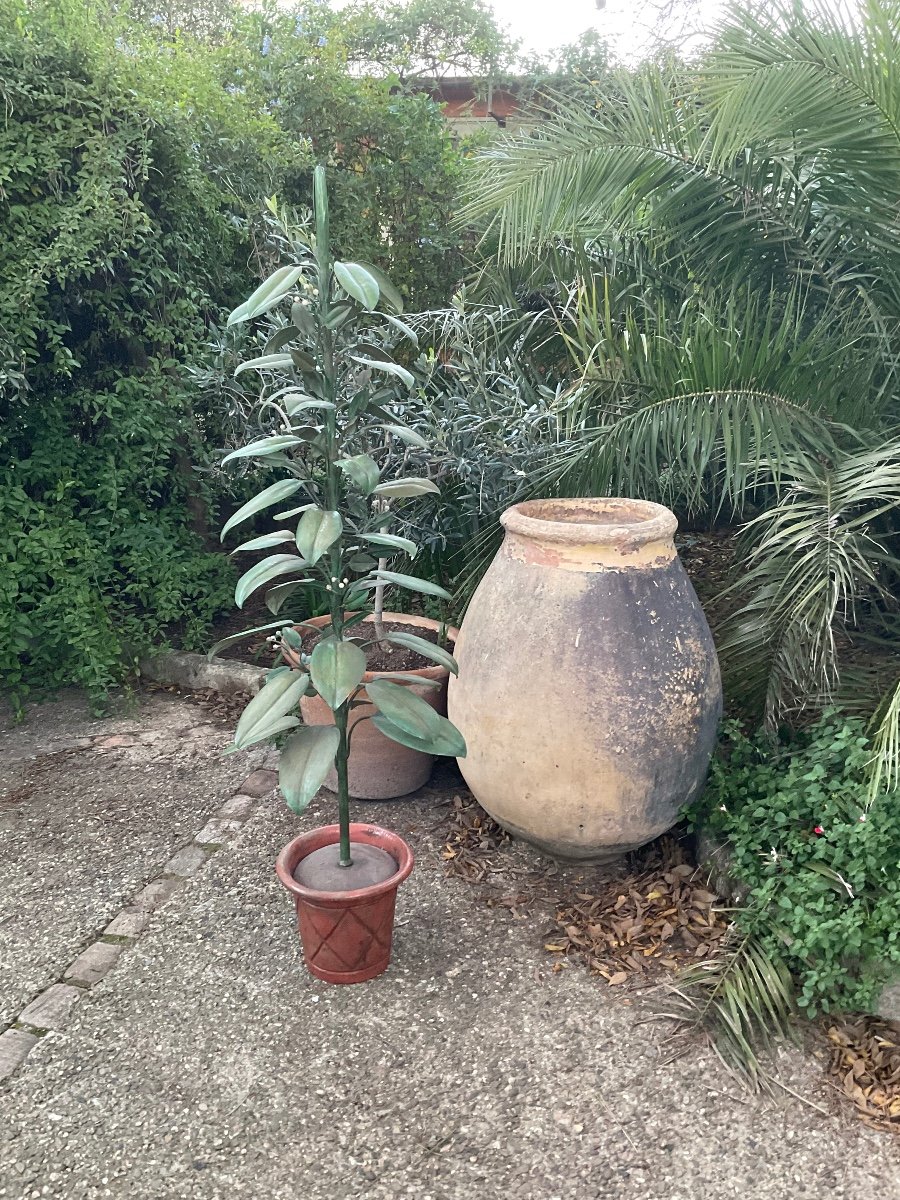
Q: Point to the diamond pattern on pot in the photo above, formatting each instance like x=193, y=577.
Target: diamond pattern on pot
x=349, y=942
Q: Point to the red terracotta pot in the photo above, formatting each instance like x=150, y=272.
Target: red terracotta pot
x=346, y=936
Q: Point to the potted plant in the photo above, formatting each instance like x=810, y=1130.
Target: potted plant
x=334, y=394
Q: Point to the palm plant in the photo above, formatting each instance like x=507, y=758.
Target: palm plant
x=734, y=322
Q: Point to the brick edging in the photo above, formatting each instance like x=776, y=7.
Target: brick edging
x=50, y=1009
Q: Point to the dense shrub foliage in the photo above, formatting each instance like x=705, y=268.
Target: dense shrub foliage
x=133, y=163
x=820, y=864
x=120, y=244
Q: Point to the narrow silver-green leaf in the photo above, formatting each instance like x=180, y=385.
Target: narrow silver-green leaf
x=303, y=402
x=391, y=368
x=293, y=512
x=268, y=293
x=266, y=362
x=274, y=699
x=269, y=731
x=306, y=758
x=266, y=445
x=425, y=586
x=358, y=283
x=263, y=572
x=277, y=596
x=238, y=637
x=317, y=530
x=410, y=680
x=407, y=435
x=391, y=541
x=337, y=669
x=427, y=649
x=403, y=327
x=265, y=541
x=399, y=488
x=273, y=494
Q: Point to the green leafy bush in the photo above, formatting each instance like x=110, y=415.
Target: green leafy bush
x=125, y=236
x=821, y=868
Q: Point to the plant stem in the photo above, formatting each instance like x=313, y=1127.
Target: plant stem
x=340, y=720
x=332, y=500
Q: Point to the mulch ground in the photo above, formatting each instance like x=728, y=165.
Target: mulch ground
x=641, y=921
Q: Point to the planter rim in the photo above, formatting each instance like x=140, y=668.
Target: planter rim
x=329, y=835
x=596, y=521
x=436, y=672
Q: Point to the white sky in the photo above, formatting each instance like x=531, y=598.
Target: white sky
x=542, y=26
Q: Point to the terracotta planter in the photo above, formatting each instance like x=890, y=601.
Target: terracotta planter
x=346, y=936
x=589, y=689
x=380, y=769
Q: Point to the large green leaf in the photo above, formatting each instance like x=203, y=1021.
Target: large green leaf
x=425, y=586
x=391, y=368
x=274, y=700
x=269, y=293
x=265, y=446
x=265, y=540
x=317, y=530
x=263, y=572
x=446, y=739
x=264, y=733
x=363, y=470
x=266, y=362
x=337, y=669
x=389, y=293
x=427, y=649
x=273, y=494
x=358, y=283
x=306, y=758
x=399, y=488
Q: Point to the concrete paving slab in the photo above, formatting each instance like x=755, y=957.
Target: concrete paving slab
x=83, y=826
x=210, y=1065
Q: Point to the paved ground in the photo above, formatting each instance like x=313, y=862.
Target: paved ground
x=208, y=1064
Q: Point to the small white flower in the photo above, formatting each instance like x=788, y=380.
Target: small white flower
x=722, y=808
x=774, y=855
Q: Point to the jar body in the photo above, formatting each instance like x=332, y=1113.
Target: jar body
x=589, y=690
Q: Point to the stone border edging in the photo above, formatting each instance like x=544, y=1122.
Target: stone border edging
x=50, y=1010
x=196, y=672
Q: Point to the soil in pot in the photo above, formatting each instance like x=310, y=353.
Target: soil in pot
x=386, y=656
x=323, y=872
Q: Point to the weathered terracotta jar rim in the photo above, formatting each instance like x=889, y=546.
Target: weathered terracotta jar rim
x=599, y=521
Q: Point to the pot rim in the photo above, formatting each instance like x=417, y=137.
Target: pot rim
x=635, y=522
x=329, y=835
x=436, y=672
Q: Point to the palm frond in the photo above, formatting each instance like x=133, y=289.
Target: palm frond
x=884, y=768
x=809, y=563
x=742, y=1002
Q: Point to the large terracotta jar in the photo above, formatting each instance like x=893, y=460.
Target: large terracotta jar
x=589, y=690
